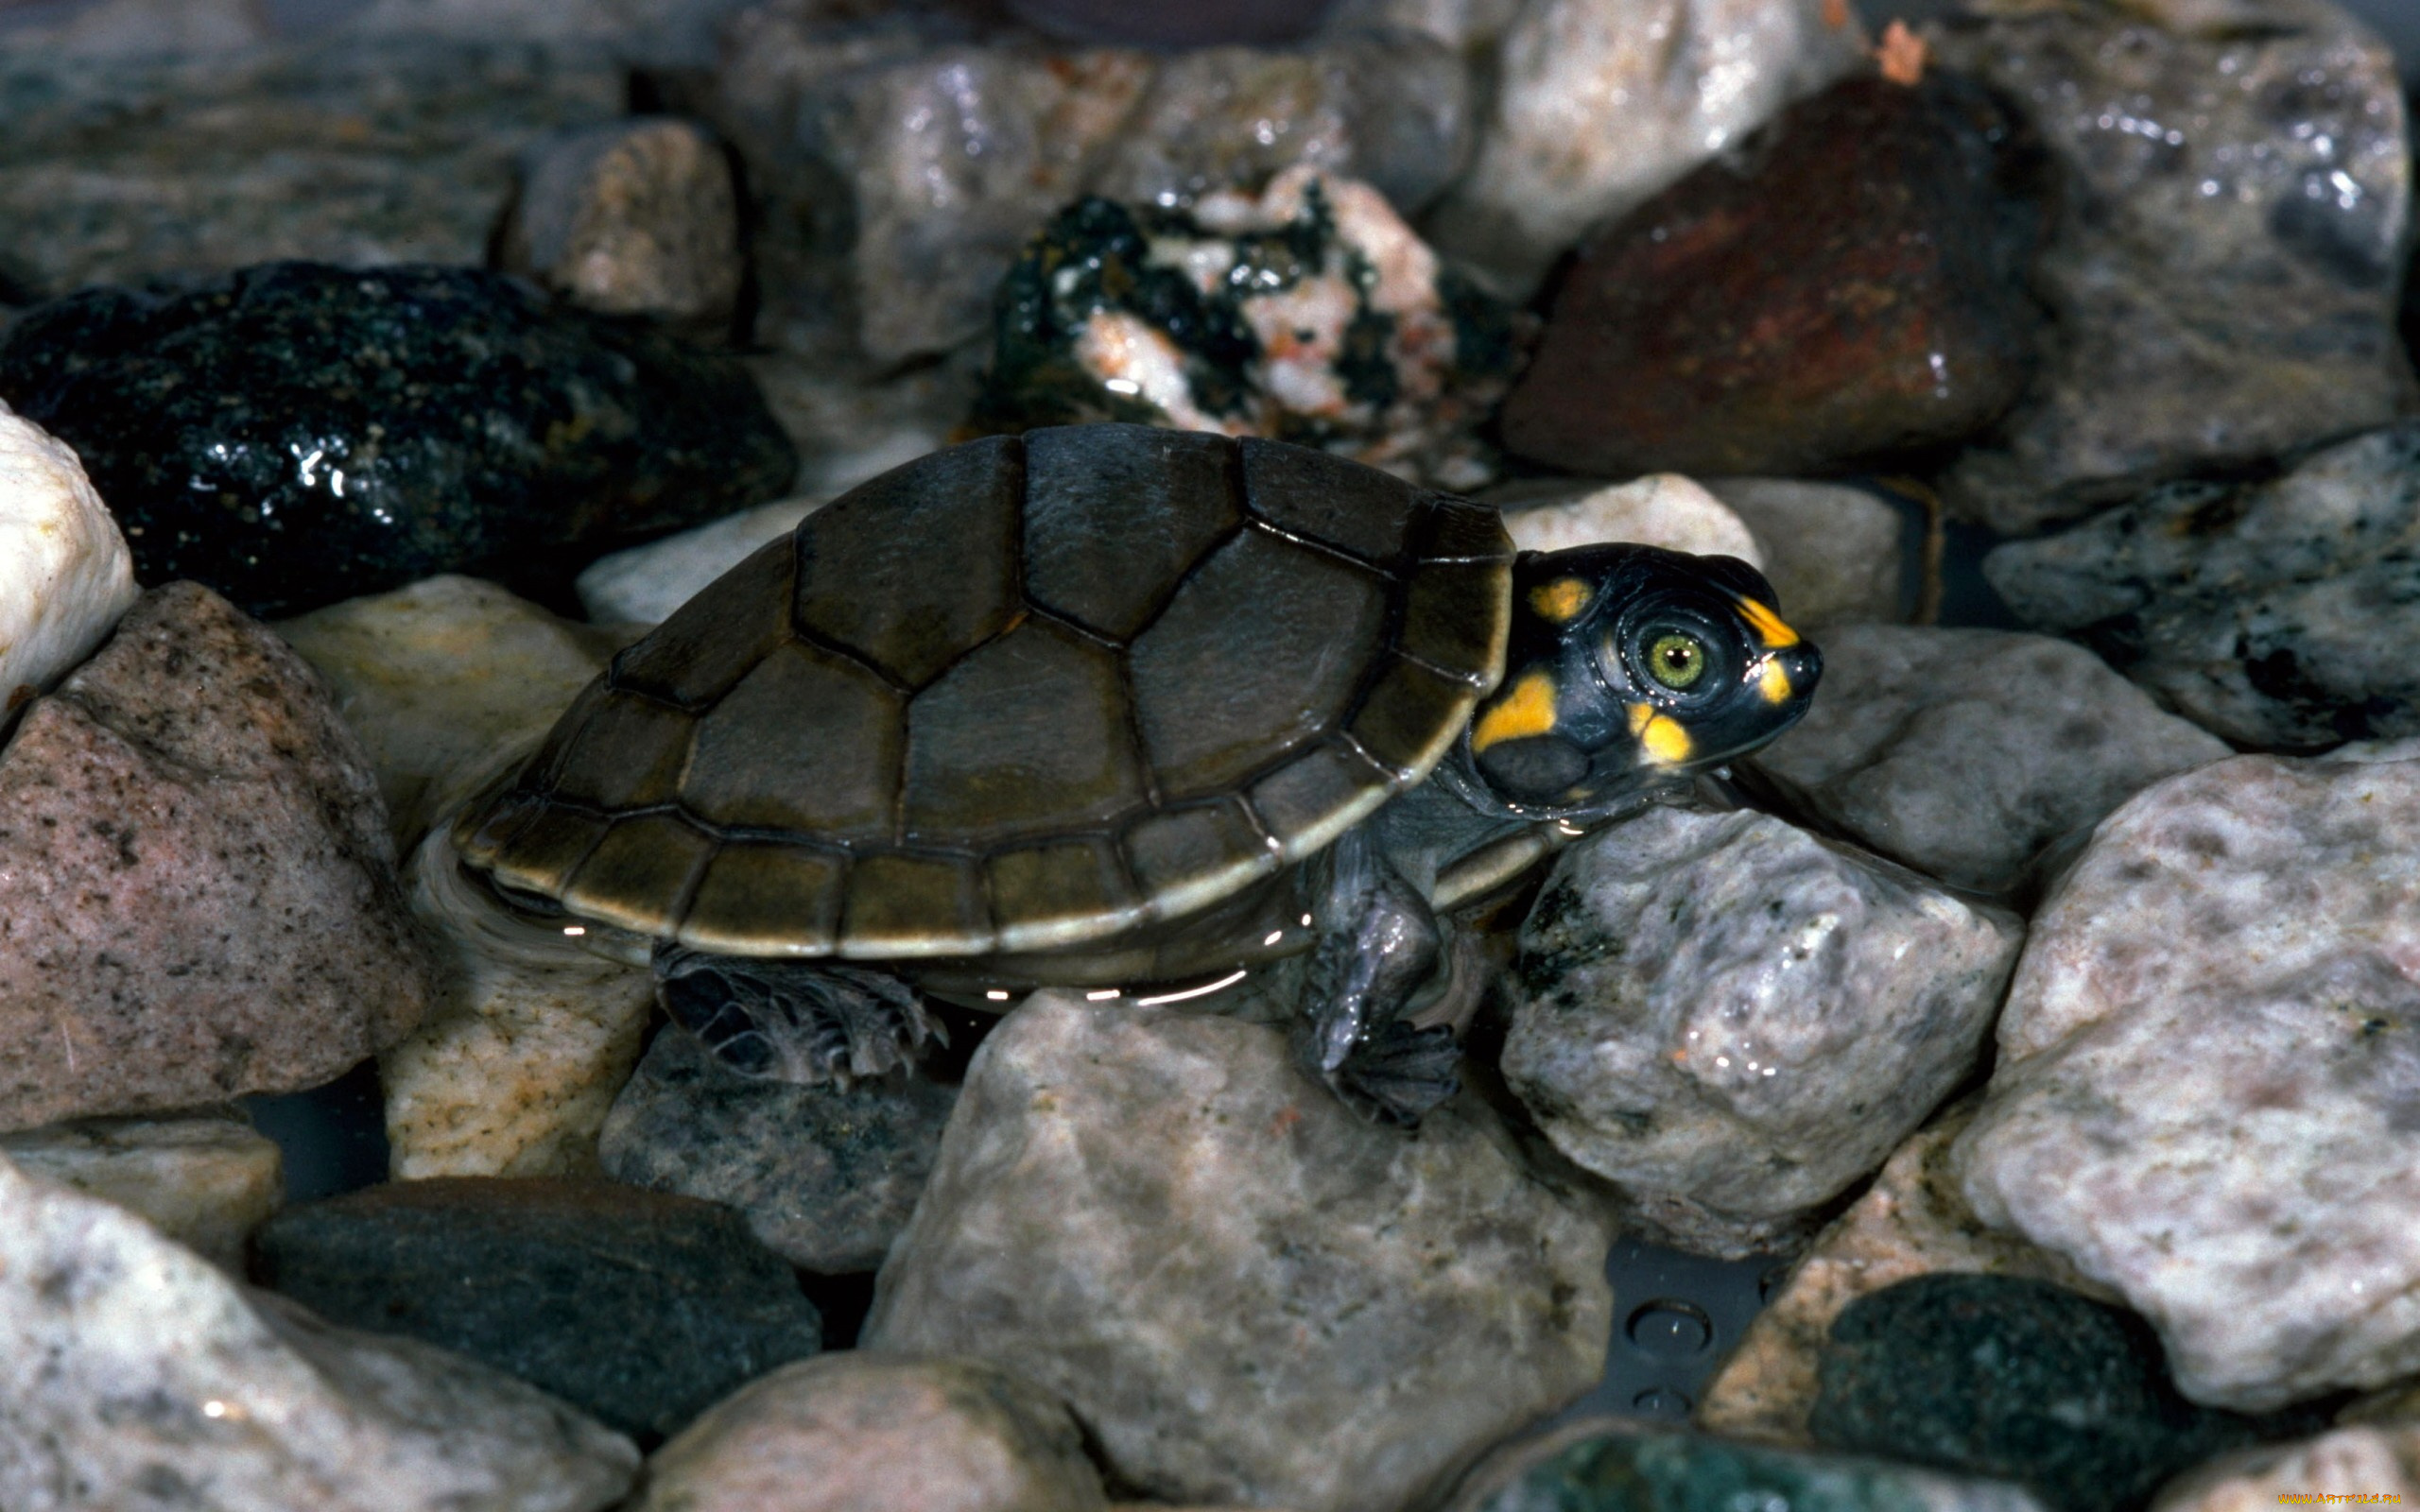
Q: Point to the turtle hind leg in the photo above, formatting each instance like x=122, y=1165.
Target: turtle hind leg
x=809, y=1023
x=1379, y=946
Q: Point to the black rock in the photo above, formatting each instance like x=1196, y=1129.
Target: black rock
x=639, y=1308
x=2025, y=1380
x=295, y=434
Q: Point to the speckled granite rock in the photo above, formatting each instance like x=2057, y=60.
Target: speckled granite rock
x=1732, y=1020
x=2273, y=612
x=1203, y=24
x=1847, y=286
x=1309, y=313
x=826, y=1179
x=1912, y=1221
x=644, y=584
x=1465, y=25
x=637, y=217
x=440, y=675
x=2018, y=1380
x=530, y=1035
x=2351, y=1466
x=198, y=896
x=1661, y=509
x=873, y=1433
x=1965, y=752
x=649, y=33
x=115, y=169
x=203, y=1180
x=1621, y=1465
x=1597, y=106
x=1243, y=1291
x=2222, y=276
x=2205, y=1066
x=333, y=433
x=640, y=1308
x=64, y=573
x=1833, y=553
x=148, y=1381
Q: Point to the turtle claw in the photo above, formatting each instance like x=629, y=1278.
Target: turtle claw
x=1399, y=1075
x=794, y=1022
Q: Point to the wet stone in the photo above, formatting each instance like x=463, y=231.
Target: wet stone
x=1848, y=287
x=638, y=217
x=2222, y=280
x=1964, y=752
x=1833, y=553
x=198, y=894
x=1621, y=1465
x=205, y=1180
x=2020, y=1379
x=2278, y=613
x=640, y=1308
x=1732, y=1020
x=64, y=573
x=148, y=1378
x=1309, y=313
x=870, y=1432
x=827, y=1177
x=336, y=433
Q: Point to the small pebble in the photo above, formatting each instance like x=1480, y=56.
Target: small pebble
x=205, y=1182
x=64, y=573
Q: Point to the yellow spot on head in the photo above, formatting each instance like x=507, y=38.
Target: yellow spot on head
x=1660, y=735
x=1560, y=602
x=1526, y=710
x=1766, y=624
x=1773, y=683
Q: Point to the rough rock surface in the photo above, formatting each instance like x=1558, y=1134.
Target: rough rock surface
x=1242, y=1289
x=1833, y=553
x=1621, y=1465
x=644, y=584
x=197, y=897
x=440, y=675
x=640, y=1308
x=529, y=1034
x=1732, y=1020
x=2274, y=613
x=1849, y=285
x=638, y=217
x=1309, y=313
x=873, y=1433
x=2222, y=278
x=1965, y=752
x=295, y=434
x=1911, y=1221
x=1598, y=107
x=2351, y=1464
x=205, y=1182
x=2207, y=1065
x=826, y=1177
x=116, y=169
x=149, y=1381
x=2018, y=1380
x=64, y=573
x=1661, y=509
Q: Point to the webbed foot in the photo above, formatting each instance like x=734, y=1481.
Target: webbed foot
x=1398, y=1073
x=1379, y=947
x=801, y=1021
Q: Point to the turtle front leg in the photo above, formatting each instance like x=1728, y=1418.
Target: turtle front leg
x=804, y=1021
x=1379, y=945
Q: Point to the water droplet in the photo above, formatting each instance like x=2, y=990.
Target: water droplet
x=1670, y=1329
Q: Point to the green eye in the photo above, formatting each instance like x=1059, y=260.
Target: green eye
x=1676, y=660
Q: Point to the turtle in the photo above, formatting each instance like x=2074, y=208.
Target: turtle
x=1124, y=709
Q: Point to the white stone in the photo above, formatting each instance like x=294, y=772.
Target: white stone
x=1732, y=1020
x=1835, y=553
x=2209, y=1067
x=644, y=584
x=144, y=1380
x=1600, y=103
x=206, y=1182
x=1244, y=1291
x=1662, y=509
x=2359, y=1466
x=64, y=573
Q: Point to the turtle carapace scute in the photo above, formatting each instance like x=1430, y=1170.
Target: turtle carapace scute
x=1110, y=705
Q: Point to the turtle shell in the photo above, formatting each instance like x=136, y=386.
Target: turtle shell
x=1020, y=695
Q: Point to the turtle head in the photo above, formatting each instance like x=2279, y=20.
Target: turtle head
x=1629, y=666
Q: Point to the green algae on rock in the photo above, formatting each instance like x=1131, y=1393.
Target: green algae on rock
x=294, y=433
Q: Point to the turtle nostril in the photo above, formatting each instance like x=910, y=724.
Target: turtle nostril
x=1806, y=668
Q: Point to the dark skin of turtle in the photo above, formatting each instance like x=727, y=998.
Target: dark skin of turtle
x=1131, y=710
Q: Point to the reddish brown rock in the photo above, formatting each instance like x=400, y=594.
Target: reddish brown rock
x=1849, y=286
x=198, y=896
